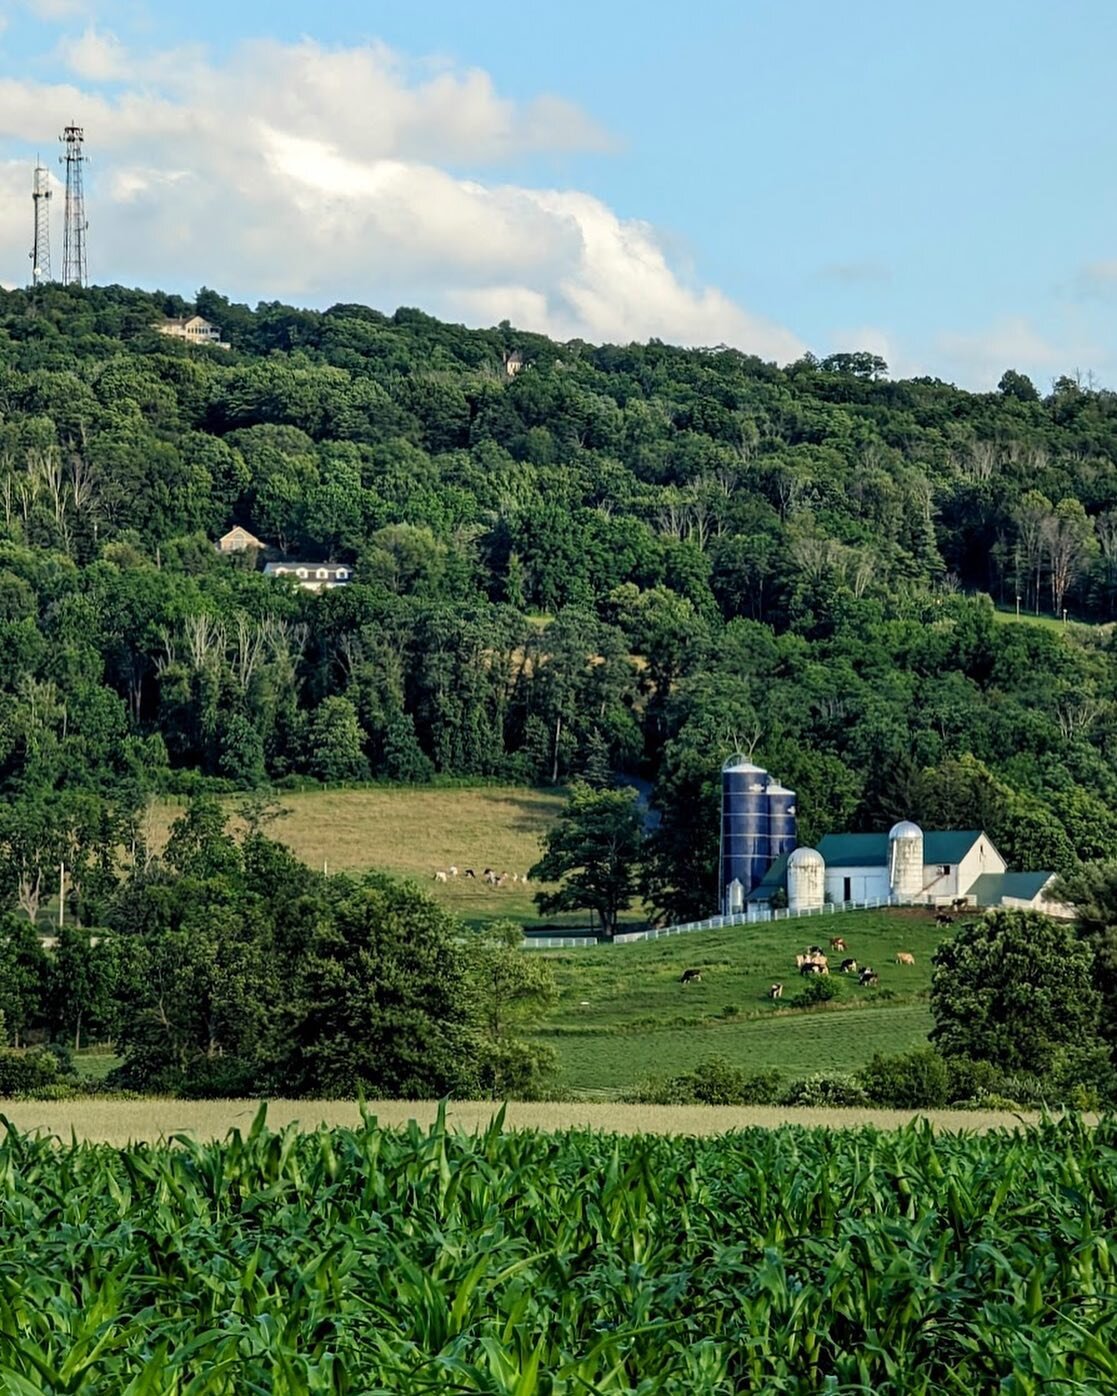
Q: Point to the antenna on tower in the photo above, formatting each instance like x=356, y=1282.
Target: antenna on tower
x=73, y=232
x=40, y=248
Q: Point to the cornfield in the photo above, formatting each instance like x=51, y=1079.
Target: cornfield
x=403, y=1260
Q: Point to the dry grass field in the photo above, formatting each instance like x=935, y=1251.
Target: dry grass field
x=123, y=1122
x=411, y=832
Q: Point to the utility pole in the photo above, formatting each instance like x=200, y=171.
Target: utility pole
x=74, y=271
x=40, y=247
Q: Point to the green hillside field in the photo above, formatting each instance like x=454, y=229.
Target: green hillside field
x=623, y=1015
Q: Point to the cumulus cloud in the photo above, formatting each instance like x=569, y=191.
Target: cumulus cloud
x=979, y=358
x=301, y=171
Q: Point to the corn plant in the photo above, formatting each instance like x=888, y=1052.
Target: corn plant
x=527, y=1264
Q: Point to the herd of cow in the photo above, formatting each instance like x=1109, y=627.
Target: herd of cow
x=489, y=875
x=815, y=961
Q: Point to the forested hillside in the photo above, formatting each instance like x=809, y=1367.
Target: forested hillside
x=637, y=557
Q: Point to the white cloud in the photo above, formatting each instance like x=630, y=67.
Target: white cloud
x=979, y=358
x=873, y=339
x=94, y=55
x=299, y=171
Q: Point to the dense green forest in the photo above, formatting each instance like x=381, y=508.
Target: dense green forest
x=640, y=557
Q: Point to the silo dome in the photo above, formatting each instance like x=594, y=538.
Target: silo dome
x=740, y=764
x=905, y=861
x=806, y=858
x=806, y=880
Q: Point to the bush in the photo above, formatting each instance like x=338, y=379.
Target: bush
x=820, y=988
x=53, y=1090
x=714, y=1081
x=918, y=1080
x=825, y=1090
x=26, y=1069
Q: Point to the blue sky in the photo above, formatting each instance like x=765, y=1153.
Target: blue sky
x=936, y=183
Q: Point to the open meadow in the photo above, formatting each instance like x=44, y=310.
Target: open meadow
x=412, y=832
x=623, y=1014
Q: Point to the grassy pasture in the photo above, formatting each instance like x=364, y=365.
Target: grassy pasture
x=623, y=1015
x=411, y=832
x=120, y=1122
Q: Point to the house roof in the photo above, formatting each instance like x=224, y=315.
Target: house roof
x=871, y=850
x=990, y=889
x=238, y=531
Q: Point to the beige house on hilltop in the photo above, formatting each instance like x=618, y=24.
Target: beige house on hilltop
x=237, y=540
x=195, y=329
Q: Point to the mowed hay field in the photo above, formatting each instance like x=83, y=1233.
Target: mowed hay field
x=624, y=1016
x=412, y=832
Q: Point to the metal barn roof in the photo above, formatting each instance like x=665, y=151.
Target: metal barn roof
x=990, y=889
x=871, y=850
x=772, y=881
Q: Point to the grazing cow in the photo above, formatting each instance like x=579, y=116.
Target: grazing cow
x=944, y=918
x=801, y=960
x=452, y=870
x=838, y=943
x=489, y=876
x=814, y=949
x=691, y=976
x=868, y=977
x=849, y=966
x=905, y=957
x=470, y=873
x=776, y=991
x=813, y=967
x=440, y=876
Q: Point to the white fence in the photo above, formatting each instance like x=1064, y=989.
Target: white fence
x=753, y=916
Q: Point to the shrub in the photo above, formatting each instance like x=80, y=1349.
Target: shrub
x=918, y=1080
x=820, y=988
x=825, y=1090
x=714, y=1081
x=26, y=1069
x=53, y=1090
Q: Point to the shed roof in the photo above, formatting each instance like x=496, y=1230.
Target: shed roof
x=871, y=850
x=772, y=881
x=990, y=889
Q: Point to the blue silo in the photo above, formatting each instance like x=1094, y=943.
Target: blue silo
x=783, y=833
x=745, y=835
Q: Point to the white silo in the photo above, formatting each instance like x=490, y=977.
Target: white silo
x=905, y=861
x=806, y=880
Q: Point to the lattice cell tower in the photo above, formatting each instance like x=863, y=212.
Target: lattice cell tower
x=73, y=233
x=40, y=248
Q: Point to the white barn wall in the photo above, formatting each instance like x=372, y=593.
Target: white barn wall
x=866, y=883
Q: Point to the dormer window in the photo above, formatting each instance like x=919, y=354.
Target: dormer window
x=343, y=574
x=322, y=574
x=281, y=571
x=301, y=574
